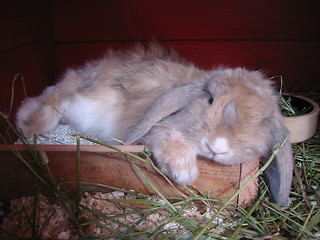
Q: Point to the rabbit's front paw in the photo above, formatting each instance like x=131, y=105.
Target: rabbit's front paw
x=176, y=158
x=181, y=170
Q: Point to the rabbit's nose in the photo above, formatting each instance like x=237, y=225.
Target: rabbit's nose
x=220, y=146
x=220, y=150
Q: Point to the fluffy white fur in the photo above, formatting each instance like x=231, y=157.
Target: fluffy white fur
x=221, y=150
x=150, y=95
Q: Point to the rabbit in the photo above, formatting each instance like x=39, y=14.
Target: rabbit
x=111, y=92
x=152, y=96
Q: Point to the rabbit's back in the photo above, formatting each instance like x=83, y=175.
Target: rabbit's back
x=105, y=97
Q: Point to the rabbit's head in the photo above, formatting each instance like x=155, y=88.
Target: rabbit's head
x=244, y=122
x=239, y=122
x=234, y=117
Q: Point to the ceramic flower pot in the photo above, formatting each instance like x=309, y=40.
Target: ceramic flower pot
x=304, y=126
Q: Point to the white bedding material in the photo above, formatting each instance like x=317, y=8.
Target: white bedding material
x=62, y=135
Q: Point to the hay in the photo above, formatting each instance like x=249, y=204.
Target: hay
x=51, y=220
x=124, y=214
x=54, y=222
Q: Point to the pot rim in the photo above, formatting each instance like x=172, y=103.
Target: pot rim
x=315, y=106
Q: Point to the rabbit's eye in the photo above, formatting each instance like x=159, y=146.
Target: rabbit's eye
x=209, y=95
x=210, y=100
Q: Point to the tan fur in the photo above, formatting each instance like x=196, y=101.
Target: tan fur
x=151, y=95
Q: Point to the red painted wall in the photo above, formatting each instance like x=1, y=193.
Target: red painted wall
x=278, y=37
x=27, y=48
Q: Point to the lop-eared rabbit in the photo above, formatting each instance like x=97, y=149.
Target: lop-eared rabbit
x=150, y=95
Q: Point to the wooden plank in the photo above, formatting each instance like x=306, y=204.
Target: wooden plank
x=99, y=164
x=297, y=62
x=247, y=171
x=36, y=62
x=95, y=20
x=23, y=22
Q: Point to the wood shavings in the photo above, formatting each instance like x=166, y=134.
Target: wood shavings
x=100, y=217
x=51, y=220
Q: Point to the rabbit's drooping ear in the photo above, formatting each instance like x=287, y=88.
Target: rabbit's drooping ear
x=280, y=171
x=167, y=103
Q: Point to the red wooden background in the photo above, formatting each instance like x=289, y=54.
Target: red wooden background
x=279, y=37
x=26, y=47
x=41, y=38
